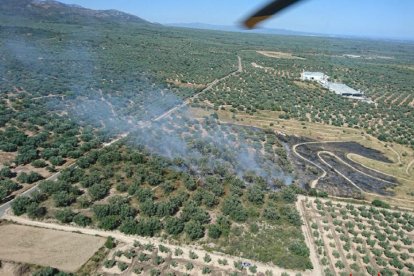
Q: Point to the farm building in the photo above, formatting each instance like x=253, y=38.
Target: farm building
x=314, y=76
x=338, y=88
x=343, y=90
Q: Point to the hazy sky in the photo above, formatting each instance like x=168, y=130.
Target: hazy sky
x=372, y=18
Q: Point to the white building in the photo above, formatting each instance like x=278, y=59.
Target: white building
x=343, y=90
x=314, y=76
x=338, y=88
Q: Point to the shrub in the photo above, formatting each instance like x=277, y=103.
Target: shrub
x=158, y=260
x=193, y=255
x=98, y=191
x=122, y=266
x=82, y=220
x=380, y=203
x=238, y=265
x=35, y=211
x=109, y=263
x=110, y=243
x=174, y=226
x=178, y=252
x=143, y=257
x=223, y=262
x=207, y=258
x=206, y=270
x=299, y=248
x=65, y=215
x=189, y=266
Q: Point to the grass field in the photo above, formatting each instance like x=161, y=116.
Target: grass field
x=65, y=251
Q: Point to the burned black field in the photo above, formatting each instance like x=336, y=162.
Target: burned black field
x=335, y=173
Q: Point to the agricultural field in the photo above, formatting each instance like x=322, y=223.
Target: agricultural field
x=359, y=238
x=45, y=247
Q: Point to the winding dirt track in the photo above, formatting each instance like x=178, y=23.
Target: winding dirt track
x=314, y=182
x=324, y=172
x=407, y=170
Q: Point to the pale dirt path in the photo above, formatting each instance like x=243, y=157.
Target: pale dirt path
x=404, y=100
x=111, y=107
x=215, y=256
x=191, y=99
x=324, y=173
x=352, y=167
x=306, y=230
x=349, y=155
x=49, y=96
x=407, y=170
x=315, y=182
x=396, y=153
x=359, y=188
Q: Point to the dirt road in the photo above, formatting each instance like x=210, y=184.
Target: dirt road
x=215, y=256
x=191, y=99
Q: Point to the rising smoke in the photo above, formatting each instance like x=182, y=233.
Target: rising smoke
x=206, y=146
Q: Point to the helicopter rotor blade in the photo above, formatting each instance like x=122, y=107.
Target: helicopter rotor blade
x=268, y=11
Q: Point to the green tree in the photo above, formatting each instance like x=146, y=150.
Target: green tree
x=63, y=199
x=214, y=231
x=35, y=211
x=82, y=220
x=255, y=195
x=98, y=191
x=65, y=215
x=20, y=204
x=174, y=226
x=194, y=229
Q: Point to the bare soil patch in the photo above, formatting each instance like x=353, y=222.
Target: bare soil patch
x=279, y=55
x=7, y=157
x=186, y=84
x=46, y=247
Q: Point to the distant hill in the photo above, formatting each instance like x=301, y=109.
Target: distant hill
x=54, y=11
x=203, y=26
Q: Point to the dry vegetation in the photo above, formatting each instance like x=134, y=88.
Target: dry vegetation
x=273, y=54
x=63, y=250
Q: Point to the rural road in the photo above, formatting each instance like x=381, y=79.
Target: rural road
x=191, y=99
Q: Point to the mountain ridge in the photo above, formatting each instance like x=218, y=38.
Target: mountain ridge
x=51, y=10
